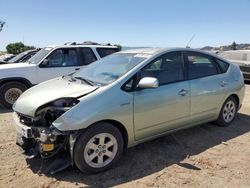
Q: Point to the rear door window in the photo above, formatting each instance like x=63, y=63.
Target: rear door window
x=87, y=56
x=200, y=65
x=106, y=51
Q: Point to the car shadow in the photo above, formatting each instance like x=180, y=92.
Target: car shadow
x=4, y=110
x=153, y=156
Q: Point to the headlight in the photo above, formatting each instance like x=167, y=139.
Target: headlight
x=50, y=112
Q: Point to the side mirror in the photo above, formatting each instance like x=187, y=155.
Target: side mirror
x=148, y=82
x=45, y=63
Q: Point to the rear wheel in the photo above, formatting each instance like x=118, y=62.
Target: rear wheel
x=98, y=148
x=9, y=93
x=227, y=113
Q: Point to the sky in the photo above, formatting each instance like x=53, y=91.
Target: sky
x=154, y=23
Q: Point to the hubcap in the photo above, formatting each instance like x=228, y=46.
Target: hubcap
x=12, y=94
x=100, y=150
x=229, y=111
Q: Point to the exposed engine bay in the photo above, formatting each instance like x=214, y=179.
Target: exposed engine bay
x=39, y=138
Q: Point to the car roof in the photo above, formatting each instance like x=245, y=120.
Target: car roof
x=154, y=51
x=31, y=50
x=81, y=45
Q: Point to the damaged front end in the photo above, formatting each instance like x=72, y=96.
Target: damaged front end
x=39, y=138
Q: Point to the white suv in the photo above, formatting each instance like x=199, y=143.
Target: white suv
x=48, y=63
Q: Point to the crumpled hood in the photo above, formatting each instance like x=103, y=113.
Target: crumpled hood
x=49, y=91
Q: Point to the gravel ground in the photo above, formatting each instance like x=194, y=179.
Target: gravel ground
x=203, y=156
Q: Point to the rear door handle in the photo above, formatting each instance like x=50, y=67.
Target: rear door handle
x=77, y=69
x=183, y=92
x=223, y=83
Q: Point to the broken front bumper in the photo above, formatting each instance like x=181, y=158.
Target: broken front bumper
x=35, y=140
x=47, y=143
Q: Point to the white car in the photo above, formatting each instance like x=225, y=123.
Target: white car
x=240, y=57
x=50, y=62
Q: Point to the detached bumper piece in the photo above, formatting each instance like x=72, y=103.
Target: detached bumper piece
x=54, y=157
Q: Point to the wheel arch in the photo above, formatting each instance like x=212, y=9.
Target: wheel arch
x=16, y=79
x=120, y=127
x=236, y=97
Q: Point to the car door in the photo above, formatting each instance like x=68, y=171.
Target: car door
x=164, y=108
x=60, y=62
x=207, y=85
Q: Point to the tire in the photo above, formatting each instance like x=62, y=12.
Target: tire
x=88, y=151
x=9, y=93
x=227, y=113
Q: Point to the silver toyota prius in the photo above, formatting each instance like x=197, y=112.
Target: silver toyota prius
x=89, y=117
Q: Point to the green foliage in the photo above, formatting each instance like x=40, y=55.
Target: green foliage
x=234, y=46
x=17, y=47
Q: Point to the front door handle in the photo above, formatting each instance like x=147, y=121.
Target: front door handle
x=76, y=69
x=183, y=92
x=223, y=83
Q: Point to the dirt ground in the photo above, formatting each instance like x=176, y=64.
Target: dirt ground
x=203, y=156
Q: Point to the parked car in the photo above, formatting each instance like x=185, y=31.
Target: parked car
x=122, y=100
x=240, y=57
x=48, y=63
x=6, y=57
x=22, y=57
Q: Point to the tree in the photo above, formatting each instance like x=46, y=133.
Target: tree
x=17, y=47
x=234, y=46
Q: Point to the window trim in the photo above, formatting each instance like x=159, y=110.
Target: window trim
x=211, y=58
x=219, y=66
x=51, y=53
x=134, y=78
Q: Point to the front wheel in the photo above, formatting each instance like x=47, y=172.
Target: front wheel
x=227, y=113
x=9, y=93
x=98, y=148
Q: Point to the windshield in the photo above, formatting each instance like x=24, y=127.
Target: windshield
x=110, y=68
x=16, y=59
x=39, y=55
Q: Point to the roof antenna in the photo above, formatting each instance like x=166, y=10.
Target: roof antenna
x=187, y=46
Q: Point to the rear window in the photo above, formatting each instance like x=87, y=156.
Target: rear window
x=106, y=51
x=223, y=65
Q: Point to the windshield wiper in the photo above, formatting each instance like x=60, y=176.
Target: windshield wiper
x=85, y=80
